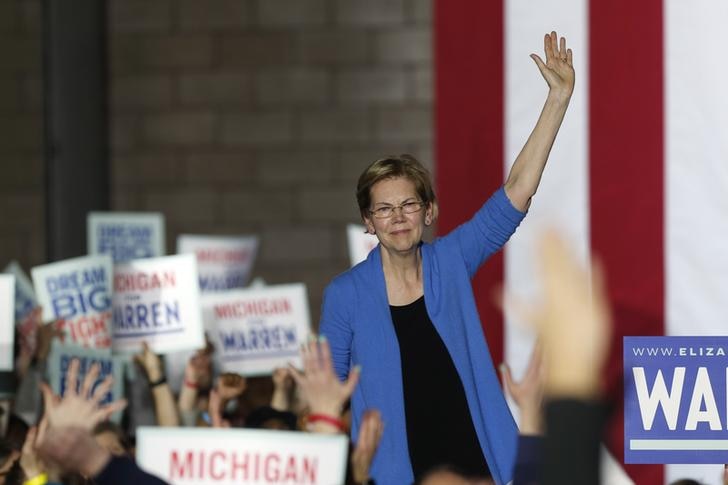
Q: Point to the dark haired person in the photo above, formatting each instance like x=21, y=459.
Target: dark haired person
x=408, y=317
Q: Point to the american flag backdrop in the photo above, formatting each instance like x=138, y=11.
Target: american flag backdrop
x=638, y=174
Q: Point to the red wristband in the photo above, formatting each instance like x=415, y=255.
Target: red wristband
x=190, y=384
x=325, y=418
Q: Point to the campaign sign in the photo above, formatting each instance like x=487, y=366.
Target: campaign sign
x=60, y=359
x=675, y=400
x=24, y=294
x=77, y=292
x=157, y=301
x=7, y=327
x=241, y=456
x=361, y=243
x=257, y=330
x=223, y=262
x=126, y=235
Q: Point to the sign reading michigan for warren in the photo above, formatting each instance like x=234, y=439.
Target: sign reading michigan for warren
x=77, y=293
x=257, y=330
x=675, y=400
x=157, y=301
x=223, y=262
x=125, y=235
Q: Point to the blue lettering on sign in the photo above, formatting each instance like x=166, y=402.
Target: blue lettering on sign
x=79, y=293
x=255, y=341
x=675, y=399
x=106, y=368
x=155, y=317
x=125, y=242
x=217, y=283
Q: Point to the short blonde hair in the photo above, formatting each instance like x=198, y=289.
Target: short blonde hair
x=390, y=167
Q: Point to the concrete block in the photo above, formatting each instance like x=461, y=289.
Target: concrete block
x=182, y=128
x=293, y=86
x=140, y=16
x=370, y=13
x=259, y=49
x=335, y=126
x=371, y=85
x=216, y=88
x=257, y=128
x=292, y=13
x=130, y=93
x=335, y=47
x=420, y=82
x=258, y=205
x=333, y=204
x=412, y=45
x=298, y=167
x=222, y=169
x=196, y=15
x=183, y=204
x=404, y=124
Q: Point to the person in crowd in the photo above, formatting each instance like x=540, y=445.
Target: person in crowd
x=407, y=314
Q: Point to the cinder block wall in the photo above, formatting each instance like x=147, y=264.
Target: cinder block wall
x=22, y=234
x=235, y=117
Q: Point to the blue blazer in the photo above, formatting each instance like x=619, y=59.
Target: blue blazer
x=356, y=320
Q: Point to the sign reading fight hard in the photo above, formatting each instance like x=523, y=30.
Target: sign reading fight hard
x=157, y=301
x=361, y=243
x=78, y=293
x=258, y=330
x=126, y=235
x=223, y=263
x=60, y=359
x=24, y=294
x=236, y=456
x=675, y=401
x=7, y=327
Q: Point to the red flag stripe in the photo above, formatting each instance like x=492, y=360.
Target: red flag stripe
x=626, y=180
x=469, y=130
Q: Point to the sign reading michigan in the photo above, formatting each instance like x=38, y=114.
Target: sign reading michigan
x=675, y=401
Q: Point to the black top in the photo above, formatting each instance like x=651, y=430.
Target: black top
x=439, y=426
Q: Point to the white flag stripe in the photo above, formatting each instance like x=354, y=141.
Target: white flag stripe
x=562, y=197
x=696, y=180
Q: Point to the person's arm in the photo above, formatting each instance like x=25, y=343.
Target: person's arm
x=229, y=386
x=558, y=71
x=321, y=389
x=282, y=386
x=197, y=375
x=164, y=404
x=574, y=324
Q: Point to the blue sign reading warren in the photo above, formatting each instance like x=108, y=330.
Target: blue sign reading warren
x=675, y=401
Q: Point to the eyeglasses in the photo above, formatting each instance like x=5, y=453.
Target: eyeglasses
x=388, y=210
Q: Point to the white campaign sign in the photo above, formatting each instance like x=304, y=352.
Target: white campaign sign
x=7, y=325
x=258, y=330
x=237, y=456
x=223, y=262
x=24, y=294
x=157, y=301
x=60, y=358
x=126, y=235
x=77, y=293
x=360, y=243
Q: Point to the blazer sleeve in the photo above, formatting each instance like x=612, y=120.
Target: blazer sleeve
x=487, y=231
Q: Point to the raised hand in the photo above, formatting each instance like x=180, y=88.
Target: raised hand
x=574, y=321
x=80, y=408
x=321, y=389
x=558, y=69
x=528, y=392
x=150, y=362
